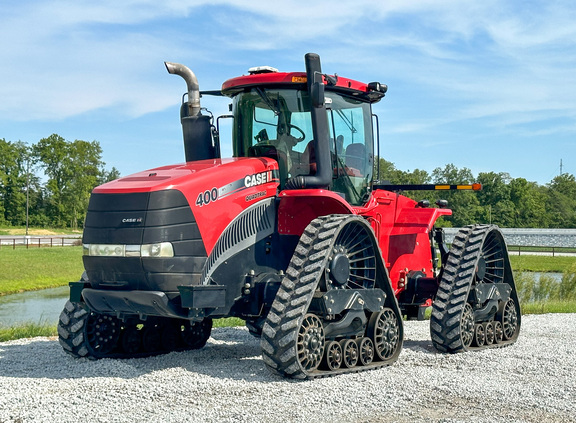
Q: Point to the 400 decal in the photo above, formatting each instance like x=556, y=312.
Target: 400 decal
x=249, y=181
x=207, y=197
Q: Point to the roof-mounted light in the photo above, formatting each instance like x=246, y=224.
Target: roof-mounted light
x=377, y=86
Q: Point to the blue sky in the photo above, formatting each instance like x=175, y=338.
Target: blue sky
x=488, y=85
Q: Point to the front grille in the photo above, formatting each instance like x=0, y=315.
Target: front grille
x=144, y=218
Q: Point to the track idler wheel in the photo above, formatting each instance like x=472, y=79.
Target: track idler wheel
x=384, y=332
x=510, y=321
x=467, y=332
x=83, y=333
x=310, y=343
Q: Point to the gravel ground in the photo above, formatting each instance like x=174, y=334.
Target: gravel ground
x=531, y=381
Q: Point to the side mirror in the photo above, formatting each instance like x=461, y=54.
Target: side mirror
x=317, y=94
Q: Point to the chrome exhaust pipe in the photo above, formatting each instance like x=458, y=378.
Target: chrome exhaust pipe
x=191, y=82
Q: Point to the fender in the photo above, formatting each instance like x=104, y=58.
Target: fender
x=298, y=208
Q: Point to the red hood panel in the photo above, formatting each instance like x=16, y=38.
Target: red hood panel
x=217, y=190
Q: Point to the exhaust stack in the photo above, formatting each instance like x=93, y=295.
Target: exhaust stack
x=191, y=82
x=197, y=129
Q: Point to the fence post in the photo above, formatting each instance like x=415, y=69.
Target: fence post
x=14, y=243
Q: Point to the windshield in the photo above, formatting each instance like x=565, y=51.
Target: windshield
x=277, y=123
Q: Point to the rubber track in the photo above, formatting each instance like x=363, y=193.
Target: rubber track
x=280, y=331
x=453, y=291
x=71, y=336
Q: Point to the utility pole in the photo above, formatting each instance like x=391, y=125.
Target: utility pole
x=560, y=167
x=27, y=194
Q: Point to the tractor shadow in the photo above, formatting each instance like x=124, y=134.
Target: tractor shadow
x=230, y=353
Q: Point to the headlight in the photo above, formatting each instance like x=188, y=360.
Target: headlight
x=160, y=249
x=106, y=250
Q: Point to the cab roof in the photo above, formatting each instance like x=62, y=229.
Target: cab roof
x=269, y=77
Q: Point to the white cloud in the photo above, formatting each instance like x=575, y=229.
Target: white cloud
x=490, y=57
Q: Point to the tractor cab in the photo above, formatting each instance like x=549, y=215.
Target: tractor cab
x=273, y=117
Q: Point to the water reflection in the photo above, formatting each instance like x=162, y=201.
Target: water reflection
x=42, y=306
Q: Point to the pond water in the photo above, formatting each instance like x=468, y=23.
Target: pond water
x=40, y=307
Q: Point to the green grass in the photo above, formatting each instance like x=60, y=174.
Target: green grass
x=26, y=330
x=543, y=307
x=531, y=263
x=38, y=268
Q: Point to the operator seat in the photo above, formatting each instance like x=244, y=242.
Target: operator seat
x=356, y=157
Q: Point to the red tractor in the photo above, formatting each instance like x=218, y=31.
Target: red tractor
x=292, y=235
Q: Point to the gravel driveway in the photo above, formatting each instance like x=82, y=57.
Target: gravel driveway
x=531, y=381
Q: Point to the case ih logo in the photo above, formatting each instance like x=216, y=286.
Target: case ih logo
x=132, y=220
x=257, y=179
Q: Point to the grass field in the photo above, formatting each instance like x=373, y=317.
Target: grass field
x=21, y=231
x=533, y=263
x=38, y=268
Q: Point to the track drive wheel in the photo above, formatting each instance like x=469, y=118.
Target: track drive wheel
x=477, y=286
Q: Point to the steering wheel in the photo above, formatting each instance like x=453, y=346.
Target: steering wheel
x=298, y=139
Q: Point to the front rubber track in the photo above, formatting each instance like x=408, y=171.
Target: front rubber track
x=279, y=334
x=78, y=334
x=452, y=295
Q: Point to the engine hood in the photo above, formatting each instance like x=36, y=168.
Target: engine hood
x=217, y=190
x=189, y=175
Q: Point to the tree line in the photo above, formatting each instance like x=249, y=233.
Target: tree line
x=52, y=179
x=55, y=178
x=505, y=201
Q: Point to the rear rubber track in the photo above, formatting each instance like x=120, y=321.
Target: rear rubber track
x=452, y=296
